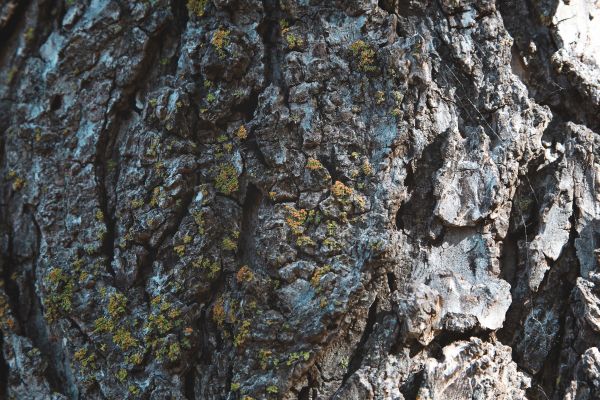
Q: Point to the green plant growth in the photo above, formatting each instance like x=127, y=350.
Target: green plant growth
x=213, y=267
x=318, y=274
x=116, y=305
x=197, y=7
x=86, y=361
x=17, y=181
x=122, y=375
x=341, y=191
x=163, y=322
x=242, y=133
x=226, y=181
x=364, y=55
x=244, y=274
x=211, y=98
x=124, y=339
x=198, y=219
x=220, y=40
x=294, y=42
x=297, y=356
x=229, y=244
x=242, y=333
x=272, y=389
x=296, y=219
x=60, y=299
x=313, y=164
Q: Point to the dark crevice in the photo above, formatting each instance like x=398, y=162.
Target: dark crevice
x=205, y=355
x=56, y=102
x=189, y=389
x=252, y=144
x=107, y=150
x=247, y=245
x=50, y=15
x=229, y=378
x=8, y=28
x=102, y=154
x=399, y=222
x=177, y=27
x=331, y=165
x=391, y=281
x=304, y=393
x=359, y=353
x=409, y=180
x=410, y=387
x=269, y=31
x=26, y=306
x=387, y=5
x=509, y=257
x=415, y=214
x=3, y=370
x=10, y=286
x=446, y=338
x=247, y=107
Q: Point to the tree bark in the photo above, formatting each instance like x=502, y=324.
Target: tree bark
x=285, y=199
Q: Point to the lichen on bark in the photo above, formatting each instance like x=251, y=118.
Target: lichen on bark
x=281, y=199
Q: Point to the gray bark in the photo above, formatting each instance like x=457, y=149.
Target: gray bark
x=299, y=199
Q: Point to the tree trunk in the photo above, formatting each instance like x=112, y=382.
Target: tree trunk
x=286, y=199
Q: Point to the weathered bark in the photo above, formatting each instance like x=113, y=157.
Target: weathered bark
x=347, y=199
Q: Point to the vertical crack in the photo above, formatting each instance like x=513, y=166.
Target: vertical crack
x=3, y=370
x=391, y=281
x=273, y=54
x=107, y=151
x=101, y=167
x=10, y=21
x=250, y=209
x=35, y=326
x=188, y=385
x=359, y=353
x=149, y=259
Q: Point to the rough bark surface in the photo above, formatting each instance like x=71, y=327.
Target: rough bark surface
x=299, y=199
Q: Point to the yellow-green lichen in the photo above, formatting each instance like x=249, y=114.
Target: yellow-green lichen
x=229, y=244
x=59, y=300
x=124, y=339
x=211, y=266
x=294, y=42
x=219, y=311
x=197, y=7
x=318, y=274
x=313, y=164
x=272, y=389
x=242, y=333
x=365, y=56
x=220, y=40
x=242, y=133
x=122, y=375
x=226, y=181
x=116, y=305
